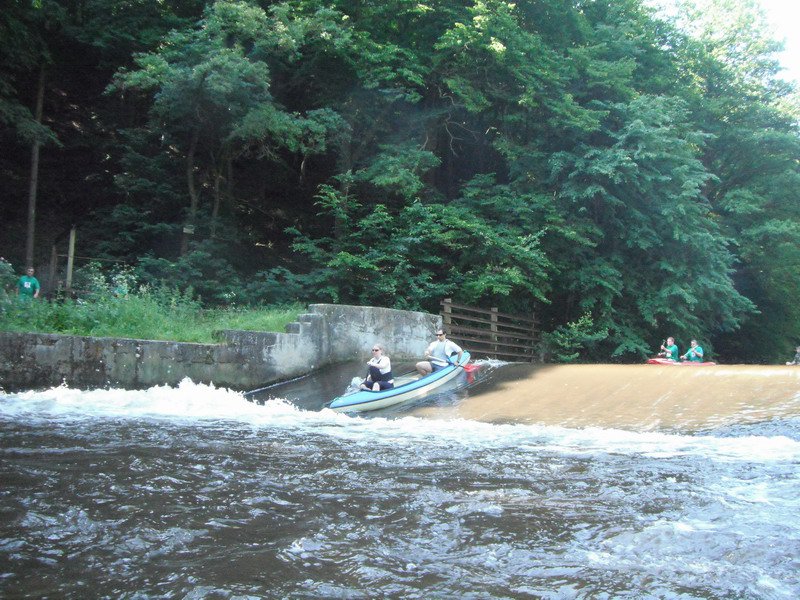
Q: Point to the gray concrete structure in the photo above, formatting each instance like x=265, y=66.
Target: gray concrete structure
x=244, y=360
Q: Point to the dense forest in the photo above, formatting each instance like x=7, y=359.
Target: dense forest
x=624, y=176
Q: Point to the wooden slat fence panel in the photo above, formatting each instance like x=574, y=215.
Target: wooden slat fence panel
x=491, y=333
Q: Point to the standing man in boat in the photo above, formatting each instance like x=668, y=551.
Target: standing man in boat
x=438, y=354
x=380, y=371
x=694, y=354
x=669, y=349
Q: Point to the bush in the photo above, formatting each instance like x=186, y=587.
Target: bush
x=8, y=280
x=566, y=343
x=115, y=305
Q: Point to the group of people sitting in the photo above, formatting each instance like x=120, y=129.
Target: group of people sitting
x=437, y=356
x=669, y=350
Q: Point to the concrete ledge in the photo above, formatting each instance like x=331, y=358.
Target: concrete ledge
x=244, y=360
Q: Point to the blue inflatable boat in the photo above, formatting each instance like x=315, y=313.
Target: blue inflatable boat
x=406, y=387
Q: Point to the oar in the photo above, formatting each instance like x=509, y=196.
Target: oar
x=467, y=368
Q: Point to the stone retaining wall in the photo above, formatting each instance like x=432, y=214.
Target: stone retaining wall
x=244, y=360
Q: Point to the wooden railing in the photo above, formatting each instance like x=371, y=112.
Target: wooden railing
x=491, y=333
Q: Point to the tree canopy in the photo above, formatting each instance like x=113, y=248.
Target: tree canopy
x=624, y=176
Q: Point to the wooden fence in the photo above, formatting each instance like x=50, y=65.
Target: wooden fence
x=54, y=283
x=491, y=333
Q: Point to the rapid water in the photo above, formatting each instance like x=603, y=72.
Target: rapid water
x=197, y=493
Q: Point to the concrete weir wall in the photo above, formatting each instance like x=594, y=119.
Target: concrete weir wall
x=244, y=360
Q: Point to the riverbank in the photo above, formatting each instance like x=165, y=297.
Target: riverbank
x=149, y=314
x=242, y=360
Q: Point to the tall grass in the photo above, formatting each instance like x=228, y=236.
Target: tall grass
x=154, y=314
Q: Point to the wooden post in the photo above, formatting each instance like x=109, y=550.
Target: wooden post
x=53, y=267
x=533, y=335
x=447, y=315
x=70, y=257
x=493, y=329
x=33, y=184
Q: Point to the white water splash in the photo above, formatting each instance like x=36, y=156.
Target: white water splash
x=200, y=404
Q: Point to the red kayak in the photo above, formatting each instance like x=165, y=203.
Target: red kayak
x=685, y=363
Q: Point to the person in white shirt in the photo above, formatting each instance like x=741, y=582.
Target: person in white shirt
x=438, y=354
x=380, y=371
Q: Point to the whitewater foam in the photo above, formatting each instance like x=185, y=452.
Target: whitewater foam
x=200, y=404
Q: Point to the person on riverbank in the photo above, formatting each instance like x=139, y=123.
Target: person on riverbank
x=669, y=349
x=438, y=353
x=694, y=353
x=28, y=286
x=380, y=371
x=796, y=359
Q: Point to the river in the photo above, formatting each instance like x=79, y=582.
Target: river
x=196, y=492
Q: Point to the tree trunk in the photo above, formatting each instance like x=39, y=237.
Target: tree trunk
x=34, y=179
x=194, y=201
x=215, y=208
x=229, y=179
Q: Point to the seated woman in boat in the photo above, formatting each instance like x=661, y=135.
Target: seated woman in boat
x=438, y=354
x=694, y=353
x=669, y=349
x=380, y=371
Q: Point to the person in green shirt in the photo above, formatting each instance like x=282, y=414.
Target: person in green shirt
x=669, y=349
x=693, y=354
x=28, y=286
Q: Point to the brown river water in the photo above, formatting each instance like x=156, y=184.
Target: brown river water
x=639, y=397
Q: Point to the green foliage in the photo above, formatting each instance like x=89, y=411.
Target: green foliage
x=24, y=31
x=566, y=343
x=739, y=38
x=654, y=254
x=208, y=275
x=276, y=286
x=117, y=305
x=203, y=270
x=752, y=114
x=398, y=169
x=413, y=257
x=8, y=281
x=612, y=171
x=260, y=318
x=211, y=103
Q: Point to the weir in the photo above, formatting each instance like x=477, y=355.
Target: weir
x=639, y=397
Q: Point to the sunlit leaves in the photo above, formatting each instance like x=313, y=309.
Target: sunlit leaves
x=582, y=158
x=644, y=192
x=399, y=169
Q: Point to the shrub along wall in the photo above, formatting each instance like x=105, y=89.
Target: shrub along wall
x=245, y=360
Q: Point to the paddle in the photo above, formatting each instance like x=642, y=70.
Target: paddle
x=467, y=368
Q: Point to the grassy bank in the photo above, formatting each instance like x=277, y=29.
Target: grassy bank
x=148, y=314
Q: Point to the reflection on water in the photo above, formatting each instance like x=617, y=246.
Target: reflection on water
x=194, y=492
